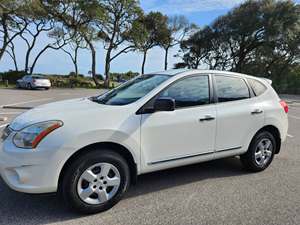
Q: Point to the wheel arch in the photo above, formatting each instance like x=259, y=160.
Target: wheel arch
x=115, y=147
x=275, y=132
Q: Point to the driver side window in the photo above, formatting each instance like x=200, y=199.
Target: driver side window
x=190, y=91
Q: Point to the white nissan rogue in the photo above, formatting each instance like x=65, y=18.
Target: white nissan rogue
x=91, y=149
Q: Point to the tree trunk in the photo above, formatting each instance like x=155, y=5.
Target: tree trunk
x=166, y=57
x=75, y=61
x=94, y=64
x=2, y=50
x=107, y=68
x=5, y=36
x=90, y=44
x=28, y=55
x=36, y=58
x=144, y=61
x=13, y=57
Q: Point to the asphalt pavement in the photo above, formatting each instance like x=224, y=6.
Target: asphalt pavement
x=217, y=192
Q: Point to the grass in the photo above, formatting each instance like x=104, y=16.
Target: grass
x=9, y=86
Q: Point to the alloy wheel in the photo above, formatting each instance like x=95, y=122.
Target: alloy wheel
x=98, y=183
x=264, y=151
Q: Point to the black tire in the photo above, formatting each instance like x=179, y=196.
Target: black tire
x=68, y=186
x=29, y=87
x=248, y=159
x=47, y=88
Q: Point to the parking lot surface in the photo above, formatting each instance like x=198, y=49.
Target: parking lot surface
x=218, y=192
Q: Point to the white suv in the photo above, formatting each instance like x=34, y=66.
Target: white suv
x=91, y=149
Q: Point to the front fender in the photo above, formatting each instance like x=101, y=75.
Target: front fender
x=98, y=136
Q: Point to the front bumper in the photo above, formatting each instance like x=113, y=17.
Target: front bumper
x=30, y=171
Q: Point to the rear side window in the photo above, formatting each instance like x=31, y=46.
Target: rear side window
x=37, y=77
x=257, y=87
x=191, y=91
x=231, y=88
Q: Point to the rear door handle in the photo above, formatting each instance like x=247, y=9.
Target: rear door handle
x=206, y=118
x=256, y=111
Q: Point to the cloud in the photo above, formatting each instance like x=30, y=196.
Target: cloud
x=188, y=6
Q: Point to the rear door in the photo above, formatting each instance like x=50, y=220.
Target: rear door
x=239, y=113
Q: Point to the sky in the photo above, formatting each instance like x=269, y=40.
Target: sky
x=200, y=12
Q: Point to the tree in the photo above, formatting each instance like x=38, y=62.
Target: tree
x=196, y=48
x=75, y=44
x=113, y=30
x=12, y=22
x=256, y=31
x=149, y=31
x=79, y=17
x=179, y=28
x=38, y=22
x=10, y=50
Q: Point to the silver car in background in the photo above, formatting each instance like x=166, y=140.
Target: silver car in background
x=33, y=81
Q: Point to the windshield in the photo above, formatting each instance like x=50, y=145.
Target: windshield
x=132, y=90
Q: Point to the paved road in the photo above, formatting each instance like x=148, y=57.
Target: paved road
x=218, y=192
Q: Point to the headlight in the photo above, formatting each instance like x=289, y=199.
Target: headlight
x=30, y=137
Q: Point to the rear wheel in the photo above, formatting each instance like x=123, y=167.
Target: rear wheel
x=29, y=87
x=260, y=153
x=95, y=181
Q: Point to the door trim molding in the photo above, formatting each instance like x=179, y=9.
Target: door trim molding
x=228, y=149
x=192, y=156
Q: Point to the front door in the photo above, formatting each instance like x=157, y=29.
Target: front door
x=189, y=131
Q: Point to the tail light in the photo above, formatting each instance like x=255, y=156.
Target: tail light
x=284, y=106
x=34, y=80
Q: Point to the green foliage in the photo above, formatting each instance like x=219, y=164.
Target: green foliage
x=12, y=76
x=119, y=77
x=149, y=31
x=259, y=37
x=71, y=81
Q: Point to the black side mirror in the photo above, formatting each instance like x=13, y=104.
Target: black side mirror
x=164, y=104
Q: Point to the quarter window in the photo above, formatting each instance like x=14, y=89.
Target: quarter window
x=231, y=88
x=191, y=91
x=257, y=87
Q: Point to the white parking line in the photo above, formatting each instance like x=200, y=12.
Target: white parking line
x=9, y=113
x=21, y=103
x=3, y=125
x=291, y=136
x=294, y=117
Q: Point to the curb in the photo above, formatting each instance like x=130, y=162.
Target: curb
x=16, y=107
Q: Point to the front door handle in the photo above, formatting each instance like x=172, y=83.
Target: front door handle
x=206, y=118
x=256, y=111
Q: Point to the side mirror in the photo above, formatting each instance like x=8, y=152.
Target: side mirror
x=164, y=104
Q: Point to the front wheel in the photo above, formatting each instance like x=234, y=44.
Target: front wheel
x=260, y=153
x=96, y=181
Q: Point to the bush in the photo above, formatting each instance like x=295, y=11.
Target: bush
x=71, y=81
x=12, y=76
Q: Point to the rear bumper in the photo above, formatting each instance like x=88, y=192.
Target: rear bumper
x=41, y=85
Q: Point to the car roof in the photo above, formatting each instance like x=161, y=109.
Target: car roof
x=185, y=72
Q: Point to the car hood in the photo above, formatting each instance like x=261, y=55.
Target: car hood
x=67, y=111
